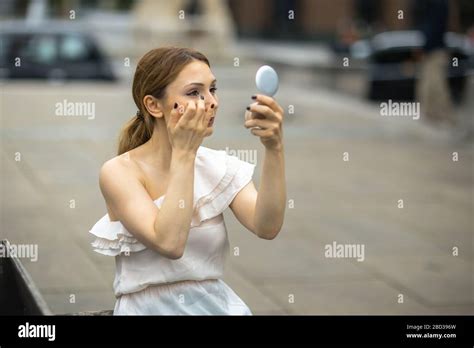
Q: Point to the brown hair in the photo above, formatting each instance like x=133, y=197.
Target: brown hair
x=155, y=71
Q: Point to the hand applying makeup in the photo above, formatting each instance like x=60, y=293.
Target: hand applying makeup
x=267, y=115
x=188, y=125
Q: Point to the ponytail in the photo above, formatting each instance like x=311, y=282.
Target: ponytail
x=135, y=132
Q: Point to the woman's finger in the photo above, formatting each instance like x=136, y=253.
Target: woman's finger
x=188, y=114
x=174, y=116
x=249, y=114
x=261, y=123
x=181, y=109
x=262, y=132
x=265, y=111
x=208, y=115
x=269, y=101
x=200, y=113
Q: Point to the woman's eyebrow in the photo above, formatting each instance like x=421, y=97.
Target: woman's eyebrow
x=199, y=83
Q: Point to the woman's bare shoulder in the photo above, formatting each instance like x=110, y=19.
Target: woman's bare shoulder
x=115, y=173
x=120, y=169
x=122, y=164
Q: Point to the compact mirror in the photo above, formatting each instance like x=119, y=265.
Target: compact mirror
x=267, y=80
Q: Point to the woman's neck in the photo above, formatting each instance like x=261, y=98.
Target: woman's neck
x=157, y=150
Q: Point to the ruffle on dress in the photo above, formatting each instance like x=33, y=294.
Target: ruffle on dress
x=112, y=238
x=218, y=177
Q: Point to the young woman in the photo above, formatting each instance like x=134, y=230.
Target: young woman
x=166, y=194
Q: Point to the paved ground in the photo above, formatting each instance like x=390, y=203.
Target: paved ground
x=408, y=251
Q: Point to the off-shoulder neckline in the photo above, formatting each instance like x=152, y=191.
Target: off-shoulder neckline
x=199, y=152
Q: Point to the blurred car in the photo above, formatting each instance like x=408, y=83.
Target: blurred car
x=51, y=52
x=394, y=63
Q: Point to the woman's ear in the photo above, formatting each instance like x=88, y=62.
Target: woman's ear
x=153, y=106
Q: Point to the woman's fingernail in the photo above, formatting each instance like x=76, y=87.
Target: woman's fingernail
x=175, y=105
x=212, y=106
x=254, y=97
x=248, y=108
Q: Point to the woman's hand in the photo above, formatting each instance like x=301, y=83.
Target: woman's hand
x=187, y=126
x=268, y=116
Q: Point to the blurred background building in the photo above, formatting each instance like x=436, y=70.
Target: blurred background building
x=343, y=21
x=315, y=34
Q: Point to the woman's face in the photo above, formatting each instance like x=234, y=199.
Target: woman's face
x=194, y=80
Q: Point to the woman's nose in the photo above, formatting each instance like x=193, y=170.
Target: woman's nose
x=209, y=100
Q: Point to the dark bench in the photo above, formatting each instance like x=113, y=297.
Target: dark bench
x=18, y=293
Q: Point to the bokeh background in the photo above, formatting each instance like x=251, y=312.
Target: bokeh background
x=402, y=187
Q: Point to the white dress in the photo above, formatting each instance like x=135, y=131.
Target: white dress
x=149, y=283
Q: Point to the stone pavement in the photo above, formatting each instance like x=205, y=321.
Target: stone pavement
x=51, y=198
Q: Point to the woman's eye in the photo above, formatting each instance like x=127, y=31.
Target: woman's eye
x=196, y=93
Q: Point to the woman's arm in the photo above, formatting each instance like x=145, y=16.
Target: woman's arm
x=263, y=212
x=165, y=230
x=271, y=199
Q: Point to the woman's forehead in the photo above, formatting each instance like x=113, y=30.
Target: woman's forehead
x=195, y=72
